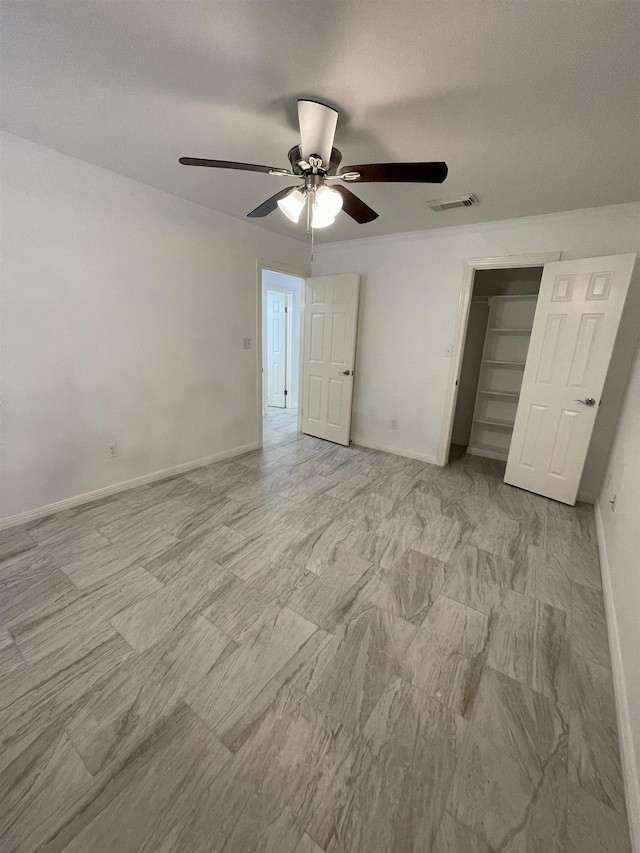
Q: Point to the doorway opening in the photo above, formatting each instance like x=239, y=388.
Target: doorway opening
x=501, y=311
x=484, y=280
x=281, y=312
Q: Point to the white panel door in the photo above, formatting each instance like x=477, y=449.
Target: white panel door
x=276, y=349
x=574, y=330
x=330, y=319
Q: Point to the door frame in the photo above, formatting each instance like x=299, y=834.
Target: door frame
x=537, y=259
x=286, y=269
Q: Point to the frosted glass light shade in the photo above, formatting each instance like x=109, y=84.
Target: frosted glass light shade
x=328, y=201
x=326, y=205
x=291, y=205
x=320, y=219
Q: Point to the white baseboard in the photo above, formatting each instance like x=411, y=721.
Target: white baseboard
x=88, y=497
x=625, y=732
x=409, y=454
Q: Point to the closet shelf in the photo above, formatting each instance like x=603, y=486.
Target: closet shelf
x=490, y=451
x=509, y=363
x=510, y=331
x=515, y=394
x=497, y=422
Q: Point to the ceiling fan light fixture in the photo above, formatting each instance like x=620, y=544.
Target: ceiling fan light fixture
x=328, y=202
x=292, y=205
x=321, y=219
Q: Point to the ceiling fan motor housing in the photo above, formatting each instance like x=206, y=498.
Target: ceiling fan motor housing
x=299, y=166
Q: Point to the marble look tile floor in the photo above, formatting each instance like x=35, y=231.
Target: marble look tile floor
x=309, y=649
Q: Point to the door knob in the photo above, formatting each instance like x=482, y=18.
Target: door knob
x=346, y=372
x=588, y=402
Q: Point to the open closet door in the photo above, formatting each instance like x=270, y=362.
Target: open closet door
x=577, y=317
x=330, y=320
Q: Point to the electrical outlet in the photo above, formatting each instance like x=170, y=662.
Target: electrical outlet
x=394, y=424
x=113, y=449
x=447, y=351
x=246, y=343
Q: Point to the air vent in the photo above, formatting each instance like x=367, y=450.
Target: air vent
x=449, y=203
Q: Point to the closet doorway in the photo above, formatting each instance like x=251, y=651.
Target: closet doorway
x=503, y=305
x=537, y=374
x=498, y=294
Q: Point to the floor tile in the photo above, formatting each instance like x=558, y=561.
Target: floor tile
x=40, y=787
x=355, y=667
x=33, y=591
x=385, y=543
x=83, y=624
x=594, y=755
x=196, y=553
x=401, y=767
x=309, y=649
x=530, y=643
x=509, y=786
x=307, y=845
x=147, y=802
x=33, y=695
x=543, y=575
x=125, y=708
x=478, y=579
x=440, y=538
x=588, y=625
x=147, y=621
x=244, y=682
x=454, y=837
x=316, y=551
x=328, y=598
x=409, y=587
x=446, y=656
x=314, y=513
x=15, y=541
x=265, y=796
x=417, y=508
x=593, y=827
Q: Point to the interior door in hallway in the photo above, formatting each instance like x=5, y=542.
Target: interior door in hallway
x=276, y=348
x=574, y=330
x=330, y=321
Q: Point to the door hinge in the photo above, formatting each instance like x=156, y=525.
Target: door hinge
x=285, y=393
x=286, y=309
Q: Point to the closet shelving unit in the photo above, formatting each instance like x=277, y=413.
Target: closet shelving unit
x=503, y=359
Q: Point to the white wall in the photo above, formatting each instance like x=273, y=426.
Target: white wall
x=409, y=301
x=123, y=314
x=294, y=284
x=619, y=539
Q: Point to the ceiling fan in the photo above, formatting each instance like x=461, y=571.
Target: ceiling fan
x=315, y=162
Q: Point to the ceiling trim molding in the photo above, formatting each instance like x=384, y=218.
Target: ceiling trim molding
x=625, y=209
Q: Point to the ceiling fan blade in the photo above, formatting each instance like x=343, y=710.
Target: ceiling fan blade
x=270, y=204
x=406, y=173
x=317, y=130
x=228, y=164
x=354, y=206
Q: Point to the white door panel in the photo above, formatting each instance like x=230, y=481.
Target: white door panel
x=577, y=317
x=331, y=314
x=276, y=348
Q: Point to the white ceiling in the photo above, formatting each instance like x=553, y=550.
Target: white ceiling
x=534, y=104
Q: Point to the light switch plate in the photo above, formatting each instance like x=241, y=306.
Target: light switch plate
x=246, y=343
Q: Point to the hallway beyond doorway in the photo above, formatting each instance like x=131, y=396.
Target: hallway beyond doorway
x=279, y=426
